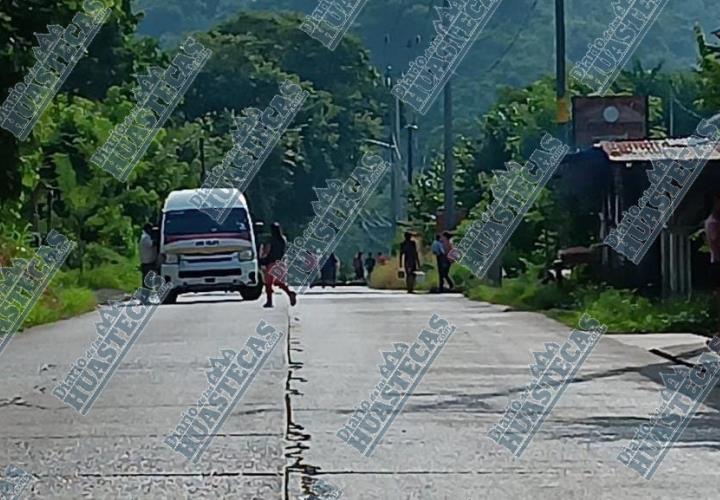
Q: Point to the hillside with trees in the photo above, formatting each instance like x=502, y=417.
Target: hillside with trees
x=516, y=48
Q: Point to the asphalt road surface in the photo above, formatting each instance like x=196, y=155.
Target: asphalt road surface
x=280, y=438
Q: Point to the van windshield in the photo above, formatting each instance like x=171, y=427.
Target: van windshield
x=196, y=222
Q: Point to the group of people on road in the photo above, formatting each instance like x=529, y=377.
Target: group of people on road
x=409, y=260
x=361, y=266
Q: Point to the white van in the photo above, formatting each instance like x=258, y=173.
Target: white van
x=198, y=254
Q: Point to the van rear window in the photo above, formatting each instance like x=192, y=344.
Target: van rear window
x=196, y=222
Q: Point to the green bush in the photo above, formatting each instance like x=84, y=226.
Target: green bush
x=621, y=310
x=626, y=311
x=523, y=293
x=123, y=275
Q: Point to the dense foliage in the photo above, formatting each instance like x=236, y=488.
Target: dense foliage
x=515, y=49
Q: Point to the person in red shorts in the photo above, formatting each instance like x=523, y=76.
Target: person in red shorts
x=273, y=253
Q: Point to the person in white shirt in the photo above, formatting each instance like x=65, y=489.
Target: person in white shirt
x=148, y=252
x=438, y=251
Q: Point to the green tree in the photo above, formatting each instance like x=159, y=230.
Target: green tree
x=252, y=54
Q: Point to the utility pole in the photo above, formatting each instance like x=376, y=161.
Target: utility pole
x=562, y=114
x=410, y=128
x=448, y=145
x=202, y=160
x=50, y=200
x=392, y=125
x=449, y=165
x=672, y=113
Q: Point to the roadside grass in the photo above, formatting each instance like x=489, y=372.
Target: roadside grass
x=58, y=303
x=70, y=293
x=623, y=311
x=123, y=275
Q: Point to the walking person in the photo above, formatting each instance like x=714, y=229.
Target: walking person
x=438, y=250
x=409, y=260
x=712, y=234
x=369, y=264
x=273, y=253
x=448, y=248
x=328, y=273
x=148, y=258
x=148, y=251
x=358, y=267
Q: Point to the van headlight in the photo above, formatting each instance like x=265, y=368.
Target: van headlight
x=245, y=254
x=170, y=258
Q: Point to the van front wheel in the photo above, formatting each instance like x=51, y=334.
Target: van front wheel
x=171, y=297
x=251, y=292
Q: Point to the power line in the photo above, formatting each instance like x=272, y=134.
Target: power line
x=687, y=110
x=514, y=40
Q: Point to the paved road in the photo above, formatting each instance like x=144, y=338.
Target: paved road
x=281, y=436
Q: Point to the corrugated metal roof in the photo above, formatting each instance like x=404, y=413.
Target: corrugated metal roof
x=652, y=149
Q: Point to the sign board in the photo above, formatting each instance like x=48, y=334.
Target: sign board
x=609, y=119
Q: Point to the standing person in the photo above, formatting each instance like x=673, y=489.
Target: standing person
x=273, y=252
x=381, y=259
x=358, y=266
x=328, y=274
x=447, y=257
x=409, y=260
x=369, y=264
x=712, y=234
x=148, y=251
x=438, y=250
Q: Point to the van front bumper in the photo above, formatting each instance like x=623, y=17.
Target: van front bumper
x=244, y=274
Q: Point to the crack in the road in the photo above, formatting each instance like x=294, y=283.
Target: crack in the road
x=19, y=401
x=180, y=474
x=295, y=433
x=679, y=357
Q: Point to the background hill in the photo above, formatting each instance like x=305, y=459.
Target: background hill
x=516, y=48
